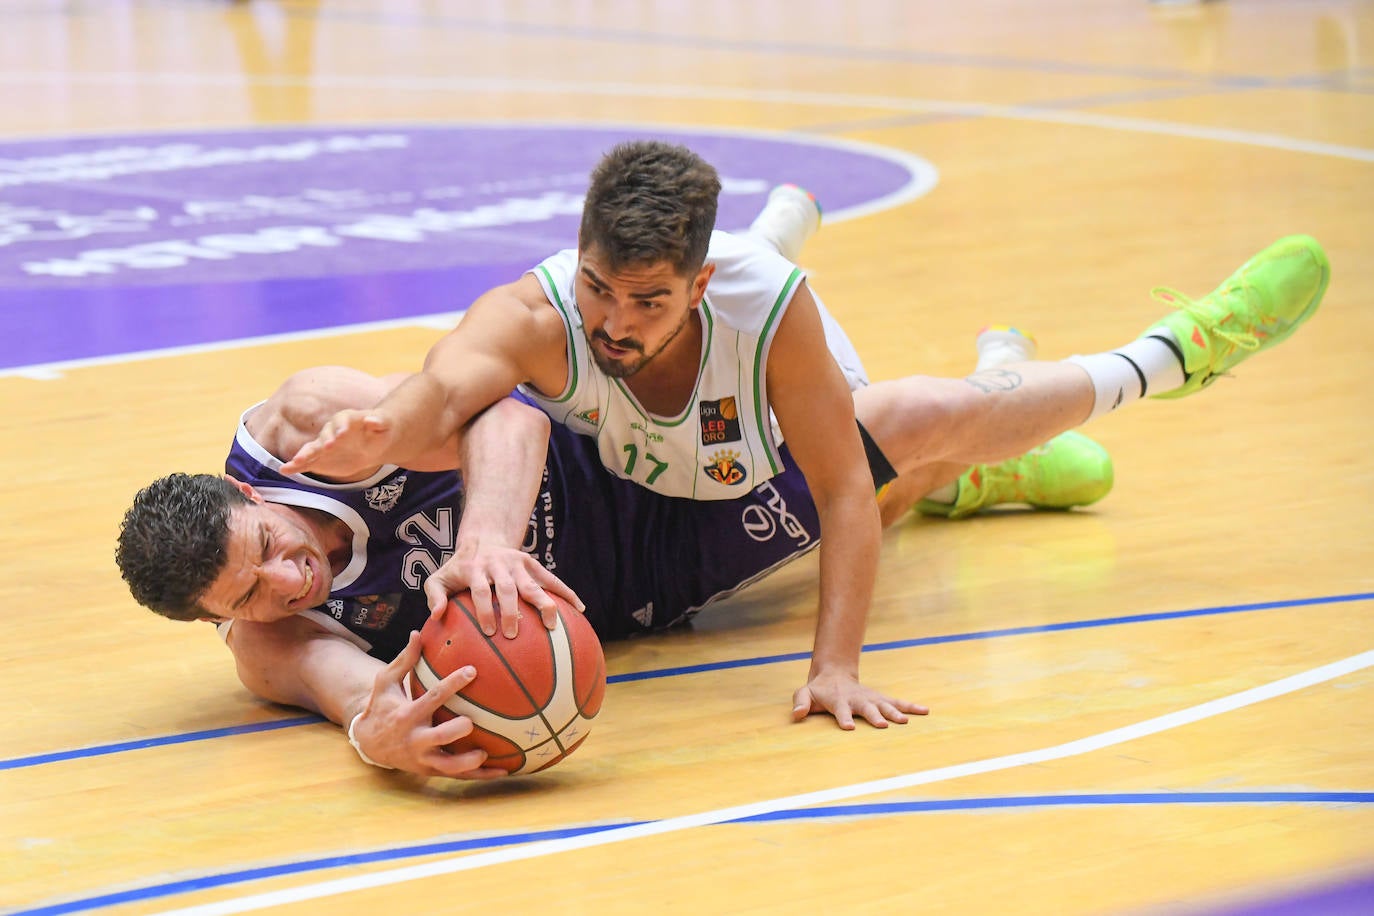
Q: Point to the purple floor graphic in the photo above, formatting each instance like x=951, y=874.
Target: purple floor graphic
x=1350, y=897
x=113, y=245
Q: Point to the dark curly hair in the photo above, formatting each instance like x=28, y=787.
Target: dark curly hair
x=172, y=541
x=651, y=202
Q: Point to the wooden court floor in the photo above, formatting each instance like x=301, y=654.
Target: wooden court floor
x=1163, y=704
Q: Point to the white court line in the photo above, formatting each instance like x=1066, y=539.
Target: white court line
x=1032, y=113
x=710, y=93
x=921, y=178
x=46, y=372
x=669, y=825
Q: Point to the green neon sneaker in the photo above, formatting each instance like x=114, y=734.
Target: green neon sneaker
x=1258, y=306
x=1069, y=470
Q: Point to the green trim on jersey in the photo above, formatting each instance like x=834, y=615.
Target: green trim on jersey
x=760, y=413
x=571, y=385
x=707, y=335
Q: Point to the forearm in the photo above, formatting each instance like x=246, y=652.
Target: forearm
x=503, y=454
x=342, y=684
x=851, y=535
x=297, y=662
x=317, y=672
x=420, y=417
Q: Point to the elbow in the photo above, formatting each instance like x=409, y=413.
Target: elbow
x=257, y=682
x=263, y=668
x=852, y=496
x=304, y=401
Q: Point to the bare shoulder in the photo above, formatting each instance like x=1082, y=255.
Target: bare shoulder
x=511, y=334
x=799, y=343
x=299, y=408
x=522, y=302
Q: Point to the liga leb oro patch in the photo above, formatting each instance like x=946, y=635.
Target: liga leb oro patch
x=719, y=421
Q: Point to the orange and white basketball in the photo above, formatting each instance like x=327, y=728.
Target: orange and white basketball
x=535, y=696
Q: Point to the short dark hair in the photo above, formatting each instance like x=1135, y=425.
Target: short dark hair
x=651, y=202
x=172, y=542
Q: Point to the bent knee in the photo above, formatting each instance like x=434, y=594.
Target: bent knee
x=914, y=419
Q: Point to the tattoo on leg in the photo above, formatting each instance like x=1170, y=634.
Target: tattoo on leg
x=990, y=380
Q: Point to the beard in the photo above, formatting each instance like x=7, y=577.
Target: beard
x=617, y=368
x=628, y=367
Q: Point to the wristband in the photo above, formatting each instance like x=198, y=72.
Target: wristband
x=358, y=747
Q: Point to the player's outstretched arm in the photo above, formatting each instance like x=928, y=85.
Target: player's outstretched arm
x=510, y=335
x=310, y=399
x=815, y=410
x=503, y=451
x=298, y=663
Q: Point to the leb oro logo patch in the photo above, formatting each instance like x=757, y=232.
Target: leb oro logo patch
x=719, y=421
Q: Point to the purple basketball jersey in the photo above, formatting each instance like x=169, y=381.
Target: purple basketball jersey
x=640, y=561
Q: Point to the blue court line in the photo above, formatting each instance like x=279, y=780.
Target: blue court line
x=102, y=749
x=998, y=634
x=205, y=882
x=1051, y=801
x=655, y=673
x=885, y=809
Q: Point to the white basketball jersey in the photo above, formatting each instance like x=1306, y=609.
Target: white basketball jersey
x=725, y=441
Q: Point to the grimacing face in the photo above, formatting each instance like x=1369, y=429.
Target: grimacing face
x=276, y=566
x=632, y=315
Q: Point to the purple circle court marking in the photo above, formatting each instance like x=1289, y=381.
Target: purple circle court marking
x=131, y=244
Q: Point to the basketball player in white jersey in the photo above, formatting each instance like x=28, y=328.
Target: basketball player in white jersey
x=703, y=365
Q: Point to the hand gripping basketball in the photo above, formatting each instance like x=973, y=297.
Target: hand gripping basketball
x=397, y=732
x=536, y=695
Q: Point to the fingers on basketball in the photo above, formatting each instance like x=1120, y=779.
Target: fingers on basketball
x=535, y=696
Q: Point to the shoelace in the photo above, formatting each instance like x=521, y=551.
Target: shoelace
x=1245, y=340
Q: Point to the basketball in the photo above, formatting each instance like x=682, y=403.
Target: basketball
x=535, y=696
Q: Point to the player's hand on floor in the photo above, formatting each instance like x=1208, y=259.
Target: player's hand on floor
x=351, y=442
x=841, y=695
x=506, y=572
x=398, y=732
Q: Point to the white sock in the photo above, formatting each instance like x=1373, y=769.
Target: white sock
x=997, y=345
x=946, y=494
x=1148, y=365
x=787, y=220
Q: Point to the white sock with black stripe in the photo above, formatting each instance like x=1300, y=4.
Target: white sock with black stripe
x=1148, y=365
